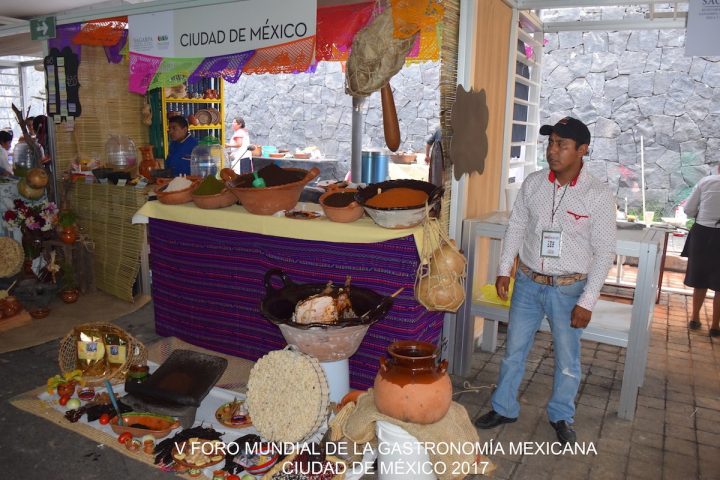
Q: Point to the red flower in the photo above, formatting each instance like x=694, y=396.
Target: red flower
x=9, y=216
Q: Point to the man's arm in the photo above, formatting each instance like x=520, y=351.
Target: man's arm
x=603, y=241
x=515, y=233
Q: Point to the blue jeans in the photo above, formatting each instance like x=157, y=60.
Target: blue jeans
x=530, y=303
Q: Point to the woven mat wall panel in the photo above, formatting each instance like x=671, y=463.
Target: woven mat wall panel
x=208, y=283
x=107, y=108
x=105, y=213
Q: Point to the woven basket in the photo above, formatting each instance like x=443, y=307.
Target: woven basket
x=67, y=354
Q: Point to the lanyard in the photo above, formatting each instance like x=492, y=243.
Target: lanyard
x=554, y=208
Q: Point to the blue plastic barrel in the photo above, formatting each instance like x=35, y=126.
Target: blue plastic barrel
x=374, y=166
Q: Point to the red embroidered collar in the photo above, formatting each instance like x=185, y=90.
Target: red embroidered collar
x=551, y=176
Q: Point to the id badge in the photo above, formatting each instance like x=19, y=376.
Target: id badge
x=551, y=243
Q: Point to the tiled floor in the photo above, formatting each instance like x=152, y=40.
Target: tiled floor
x=676, y=430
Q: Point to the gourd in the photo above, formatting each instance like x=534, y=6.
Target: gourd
x=37, y=178
x=447, y=259
x=441, y=291
x=29, y=192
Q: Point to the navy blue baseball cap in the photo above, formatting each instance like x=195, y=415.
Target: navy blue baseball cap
x=569, y=127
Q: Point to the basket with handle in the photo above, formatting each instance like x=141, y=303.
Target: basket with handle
x=67, y=354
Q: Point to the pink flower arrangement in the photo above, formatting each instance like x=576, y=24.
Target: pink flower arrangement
x=40, y=216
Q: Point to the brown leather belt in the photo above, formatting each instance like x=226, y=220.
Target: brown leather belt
x=552, y=280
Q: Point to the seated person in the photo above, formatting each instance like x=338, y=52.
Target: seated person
x=5, y=142
x=181, y=146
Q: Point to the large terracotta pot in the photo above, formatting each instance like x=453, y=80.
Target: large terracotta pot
x=411, y=386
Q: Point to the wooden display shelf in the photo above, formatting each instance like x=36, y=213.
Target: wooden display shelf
x=192, y=100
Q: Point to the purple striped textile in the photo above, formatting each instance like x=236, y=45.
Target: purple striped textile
x=207, y=284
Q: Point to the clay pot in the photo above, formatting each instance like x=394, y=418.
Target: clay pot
x=149, y=162
x=268, y=200
x=70, y=296
x=345, y=214
x=38, y=313
x=10, y=306
x=68, y=235
x=410, y=386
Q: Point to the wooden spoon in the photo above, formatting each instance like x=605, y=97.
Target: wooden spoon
x=390, y=120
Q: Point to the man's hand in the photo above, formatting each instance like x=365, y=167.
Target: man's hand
x=580, y=317
x=502, y=284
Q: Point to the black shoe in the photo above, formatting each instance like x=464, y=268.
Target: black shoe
x=492, y=419
x=694, y=324
x=565, y=433
x=715, y=332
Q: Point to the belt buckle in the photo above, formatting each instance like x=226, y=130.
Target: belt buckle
x=551, y=280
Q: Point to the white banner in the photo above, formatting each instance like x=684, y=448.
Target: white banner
x=222, y=29
x=703, y=28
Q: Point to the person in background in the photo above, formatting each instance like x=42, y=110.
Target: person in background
x=5, y=141
x=434, y=158
x=701, y=249
x=563, y=228
x=30, y=125
x=240, y=155
x=181, y=146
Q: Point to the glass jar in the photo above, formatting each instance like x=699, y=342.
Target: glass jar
x=121, y=153
x=206, y=158
x=23, y=159
x=138, y=373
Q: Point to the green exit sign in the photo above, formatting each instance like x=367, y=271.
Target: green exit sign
x=42, y=28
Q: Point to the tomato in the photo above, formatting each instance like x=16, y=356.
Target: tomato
x=104, y=419
x=63, y=400
x=125, y=437
x=233, y=477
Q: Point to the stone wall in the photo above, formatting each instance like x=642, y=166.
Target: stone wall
x=299, y=110
x=627, y=85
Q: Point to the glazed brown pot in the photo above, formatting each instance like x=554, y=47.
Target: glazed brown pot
x=68, y=235
x=10, y=306
x=70, y=296
x=349, y=213
x=411, y=386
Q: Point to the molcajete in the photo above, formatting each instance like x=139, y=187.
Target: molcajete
x=410, y=386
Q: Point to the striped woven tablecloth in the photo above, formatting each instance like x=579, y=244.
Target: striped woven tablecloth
x=207, y=284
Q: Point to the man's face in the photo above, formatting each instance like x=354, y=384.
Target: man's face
x=562, y=153
x=177, y=132
x=6, y=145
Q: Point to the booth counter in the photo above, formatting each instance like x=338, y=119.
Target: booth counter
x=208, y=268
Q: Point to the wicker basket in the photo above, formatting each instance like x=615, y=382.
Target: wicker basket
x=287, y=409
x=67, y=354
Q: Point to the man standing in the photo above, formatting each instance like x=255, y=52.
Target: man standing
x=563, y=227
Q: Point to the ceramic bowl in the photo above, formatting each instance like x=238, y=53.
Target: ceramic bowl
x=177, y=197
x=263, y=462
x=346, y=214
x=223, y=199
x=303, y=156
x=268, y=200
x=403, y=158
x=158, y=426
x=402, y=216
x=277, y=155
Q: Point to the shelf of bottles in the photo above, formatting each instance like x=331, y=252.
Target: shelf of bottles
x=201, y=103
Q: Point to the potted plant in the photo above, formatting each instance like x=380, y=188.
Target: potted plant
x=69, y=291
x=68, y=233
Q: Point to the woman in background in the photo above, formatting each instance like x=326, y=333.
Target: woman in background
x=240, y=155
x=701, y=249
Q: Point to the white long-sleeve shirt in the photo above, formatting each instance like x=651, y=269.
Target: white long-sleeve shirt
x=585, y=213
x=704, y=202
x=5, y=162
